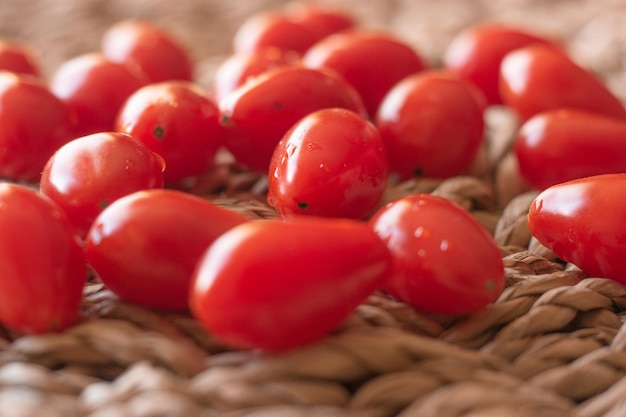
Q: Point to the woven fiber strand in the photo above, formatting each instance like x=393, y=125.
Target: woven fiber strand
x=552, y=345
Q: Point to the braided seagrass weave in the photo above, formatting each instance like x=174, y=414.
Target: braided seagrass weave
x=552, y=345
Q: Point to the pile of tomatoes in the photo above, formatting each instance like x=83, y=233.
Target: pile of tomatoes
x=93, y=161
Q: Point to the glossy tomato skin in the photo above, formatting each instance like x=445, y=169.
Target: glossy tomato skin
x=239, y=67
x=177, y=120
x=147, y=49
x=444, y=260
x=582, y=222
x=321, y=20
x=42, y=263
x=95, y=90
x=34, y=123
x=537, y=78
x=18, y=58
x=88, y=173
x=258, y=114
x=372, y=62
x=145, y=246
x=561, y=145
x=278, y=285
x=332, y=163
x=432, y=125
x=476, y=53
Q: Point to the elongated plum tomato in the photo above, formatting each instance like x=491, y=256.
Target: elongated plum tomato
x=145, y=246
x=279, y=284
x=34, y=123
x=147, y=49
x=87, y=174
x=321, y=20
x=331, y=163
x=476, y=53
x=561, y=145
x=41, y=262
x=538, y=77
x=94, y=89
x=177, y=120
x=258, y=114
x=372, y=62
x=432, y=125
x=444, y=260
x=582, y=222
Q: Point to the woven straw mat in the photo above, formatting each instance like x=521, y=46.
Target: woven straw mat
x=552, y=345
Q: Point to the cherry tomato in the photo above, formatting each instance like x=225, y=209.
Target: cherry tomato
x=177, y=120
x=42, y=263
x=372, y=62
x=259, y=113
x=94, y=89
x=560, y=145
x=273, y=29
x=432, y=125
x=145, y=246
x=239, y=67
x=321, y=20
x=444, y=260
x=537, y=78
x=18, y=58
x=278, y=284
x=87, y=174
x=331, y=163
x=148, y=49
x=34, y=123
x=582, y=222
x=475, y=54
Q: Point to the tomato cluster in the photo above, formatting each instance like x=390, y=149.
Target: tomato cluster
x=98, y=171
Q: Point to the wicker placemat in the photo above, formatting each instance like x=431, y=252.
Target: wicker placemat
x=552, y=345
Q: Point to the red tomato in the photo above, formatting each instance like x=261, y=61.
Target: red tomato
x=87, y=174
x=582, y=222
x=177, y=120
x=272, y=29
x=372, y=62
x=331, y=163
x=239, y=67
x=476, y=53
x=145, y=246
x=258, y=114
x=18, y=58
x=148, y=49
x=561, y=145
x=94, y=89
x=42, y=263
x=444, y=260
x=537, y=78
x=321, y=20
x=34, y=123
x=281, y=284
x=432, y=125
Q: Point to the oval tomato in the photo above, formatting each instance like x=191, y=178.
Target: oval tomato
x=177, y=120
x=145, y=246
x=95, y=90
x=537, y=78
x=476, y=53
x=372, y=62
x=147, y=49
x=444, y=260
x=331, y=163
x=18, y=58
x=87, y=174
x=431, y=124
x=259, y=113
x=582, y=222
x=41, y=262
x=321, y=20
x=34, y=123
x=561, y=145
x=281, y=284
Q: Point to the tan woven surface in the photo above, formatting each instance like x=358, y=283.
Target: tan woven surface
x=552, y=345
